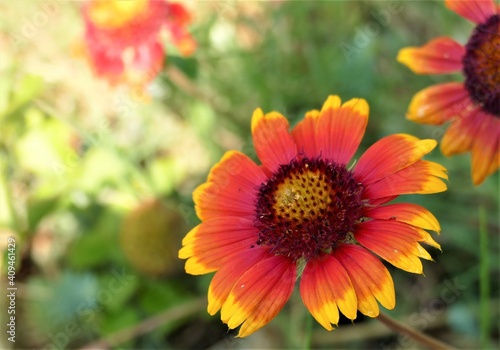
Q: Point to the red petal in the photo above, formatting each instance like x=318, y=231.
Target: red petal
x=337, y=130
x=177, y=15
x=227, y=276
x=438, y=103
x=259, y=295
x=463, y=131
x=231, y=188
x=389, y=155
x=324, y=286
x=395, y=242
x=273, y=144
x=408, y=232
x=107, y=64
x=304, y=134
x=422, y=177
x=177, y=23
x=485, y=152
x=370, y=278
x=477, y=11
x=439, y=56
x=411, y=214
x=382, y=200
x=210, y=244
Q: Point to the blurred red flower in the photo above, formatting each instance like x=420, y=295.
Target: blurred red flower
x=123, y=39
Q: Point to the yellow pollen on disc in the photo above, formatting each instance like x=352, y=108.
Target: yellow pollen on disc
x=488, y=58
x=302, y=197
x=306, y=208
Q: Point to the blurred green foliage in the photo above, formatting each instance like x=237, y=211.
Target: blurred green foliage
x=77, y=157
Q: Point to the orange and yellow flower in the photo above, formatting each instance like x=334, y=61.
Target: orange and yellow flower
x=123, y=38
x=306, y=212
x=472, y=107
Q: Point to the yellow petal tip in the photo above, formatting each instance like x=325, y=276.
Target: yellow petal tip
x=332, y=102
x=358, y=105
x=257, y=115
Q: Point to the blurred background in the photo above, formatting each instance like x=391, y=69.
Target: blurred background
x=96, y=177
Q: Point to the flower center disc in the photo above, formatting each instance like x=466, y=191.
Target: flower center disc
x=481, y=65
x=306, y=207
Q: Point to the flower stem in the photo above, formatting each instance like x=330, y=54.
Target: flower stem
x=13, y=219
x=484, y=280
x=307, y=332
x=419, y=337
x=170, y=315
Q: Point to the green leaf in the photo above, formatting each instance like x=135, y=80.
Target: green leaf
x=24, y=92
x=45, y=149
x=5, y=85
x=189, y=65
x=39, y=208
x=89, y=251
x=100, y=166
x=98, y=244
x=158, y=295
x=70, y=297
x=118, y=320
x=121, y=284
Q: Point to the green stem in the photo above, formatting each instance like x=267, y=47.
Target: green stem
x=484, y=280
x=299, y=327
x=419, y=337
x=307, y=331
x=14, y=223
x=170, y=315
